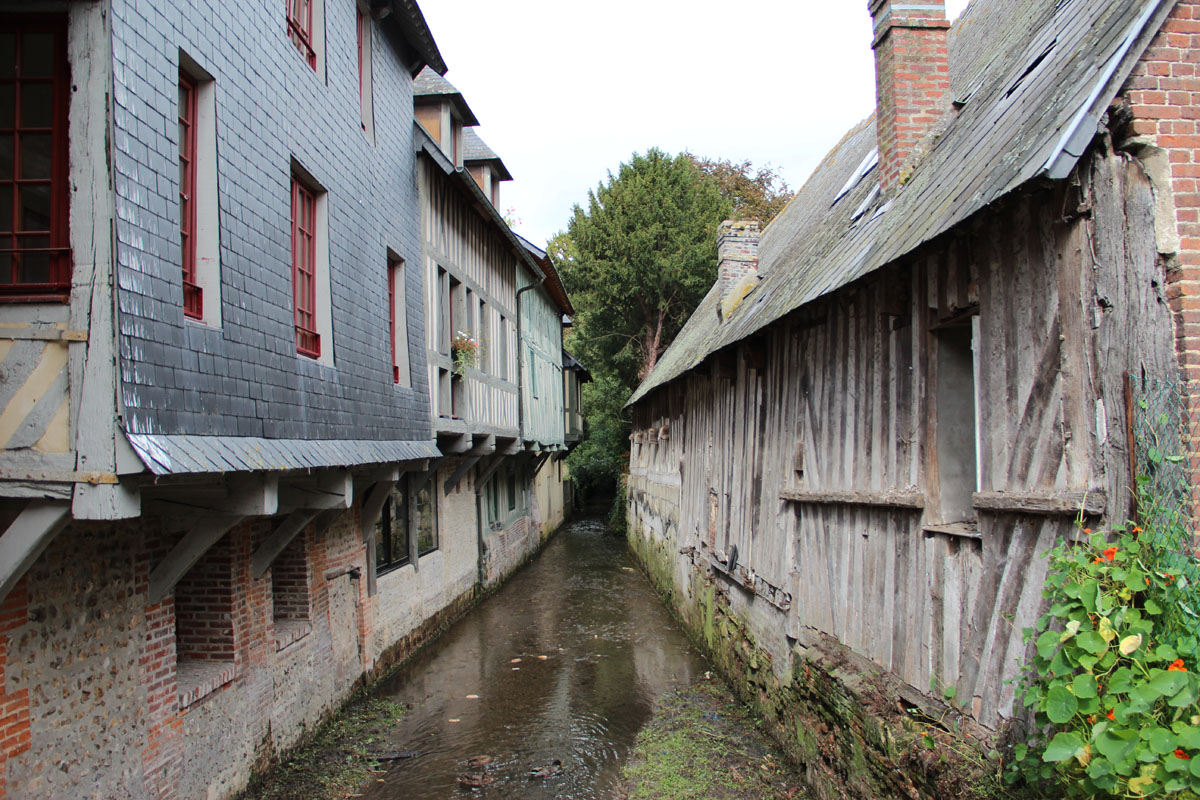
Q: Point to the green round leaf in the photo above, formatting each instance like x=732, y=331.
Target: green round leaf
x=1194, y=767
x=1092, y=642
x=1084, y=686
x=1061, y=705
x=1167, y=683
x=1161, y=740
x=1062, y=747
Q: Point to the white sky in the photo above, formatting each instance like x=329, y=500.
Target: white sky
x=565, y=90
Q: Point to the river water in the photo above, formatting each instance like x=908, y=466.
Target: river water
x=596, y=647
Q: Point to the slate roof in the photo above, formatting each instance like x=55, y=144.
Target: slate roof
x=1036, y=75
x=180, y=454
x=475, y=151
x=571, y=362
x=429, y=84
x=412, y=25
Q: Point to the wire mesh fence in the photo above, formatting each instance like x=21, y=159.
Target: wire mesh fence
x=1165, y=458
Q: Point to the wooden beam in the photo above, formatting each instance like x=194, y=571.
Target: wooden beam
x=27, y=537
x=417, y=482
x=455, y=444
x=1091, y=504
x=325, y=520
x=334, y=489
x=278, y=541
x=203, y=533
x=244, y=496
x=462, y=470
x=885, y=499
x=488, y=470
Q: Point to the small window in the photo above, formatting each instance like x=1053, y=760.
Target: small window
x=302, y=26
x=512, y=491
x=502, y=348
x=193, y=298
x=424, y=517
x=392, y=544
x=304, y=268
x=366, y=105
x=396, y=321
x=35, y=255
x=957, y=423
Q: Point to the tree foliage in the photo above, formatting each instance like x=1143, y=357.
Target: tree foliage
x=639, y=259
x=757, y=193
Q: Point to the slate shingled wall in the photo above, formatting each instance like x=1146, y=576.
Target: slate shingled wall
x=246, y=379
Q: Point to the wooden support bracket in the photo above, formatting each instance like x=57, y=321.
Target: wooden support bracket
x=417, y=482
x=488, y=470
x=455, y=444
x=245, y=496
x=278, y=541
x=459, y=473
x=203, y=533
x=27, y=537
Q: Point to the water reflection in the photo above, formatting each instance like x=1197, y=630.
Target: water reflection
x=595, y=648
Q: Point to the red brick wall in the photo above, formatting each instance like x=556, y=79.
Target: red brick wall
x=1164, y=95
x=289, y=581
x=204, y=606
x=14, y=706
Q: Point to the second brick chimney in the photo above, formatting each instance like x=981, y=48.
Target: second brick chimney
x=912, y=78
x=737, y=256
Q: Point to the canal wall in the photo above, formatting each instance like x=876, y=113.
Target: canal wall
x=855, y=730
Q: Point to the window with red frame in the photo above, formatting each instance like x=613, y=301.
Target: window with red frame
x=35, y=255
x=300, y=29
x=393, y=268
x=362, y=42
x=193, y=297
x=304, y=268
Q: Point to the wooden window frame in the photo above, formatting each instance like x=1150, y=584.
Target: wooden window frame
x=304, y=268
x=396, y=510
x=58, y=250
x=395, y=267
x=193, y=295
x=300, y=29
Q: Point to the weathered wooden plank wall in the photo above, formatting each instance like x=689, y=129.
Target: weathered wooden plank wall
x=835, y=407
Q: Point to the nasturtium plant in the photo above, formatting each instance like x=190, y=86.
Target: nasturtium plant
x=1114, y=681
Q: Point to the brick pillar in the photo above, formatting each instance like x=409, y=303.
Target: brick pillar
x=14, y=706
x=912, y=79
x=737, y=256
x=1163, y=93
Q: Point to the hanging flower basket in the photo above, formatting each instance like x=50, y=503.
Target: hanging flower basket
x=465, y=353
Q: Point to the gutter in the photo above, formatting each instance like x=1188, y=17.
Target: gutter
x=1079, y=134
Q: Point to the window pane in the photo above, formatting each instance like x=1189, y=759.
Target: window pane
x=426, y=521
x=8, y=55
x=5, y=266
x=37, y=105
x=35, y=207
x=35, y=267
x=5, y=212
x=6, y=156
x=382, y=535
x=37, y=55
x=8, y=99
x=35, y=155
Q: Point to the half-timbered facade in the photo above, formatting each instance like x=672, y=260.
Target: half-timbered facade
x=855, y=455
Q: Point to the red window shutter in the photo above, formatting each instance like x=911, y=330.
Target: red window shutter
x=304, y=269
x=35, y=254
x=193, y=299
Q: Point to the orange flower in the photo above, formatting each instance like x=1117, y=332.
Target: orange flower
x=1110, y=714
x=1110, y=553
x=1097, y=560
x=1136, y=529
x=1169, y=578
x=1091, y=719
x=1147, y=580
x=1087, y=530
x=1177, y=666
x=1180, y=754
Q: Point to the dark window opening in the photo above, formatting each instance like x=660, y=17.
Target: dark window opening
x=424, y=517
x=392, y=544
x=204, y=635
x=35, y=255
x=956, y=426
x=290, y=593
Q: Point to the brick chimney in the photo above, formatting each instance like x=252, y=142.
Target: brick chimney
x=912, y=78
x=737, y=257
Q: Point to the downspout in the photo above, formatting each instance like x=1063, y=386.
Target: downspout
x=521, y=359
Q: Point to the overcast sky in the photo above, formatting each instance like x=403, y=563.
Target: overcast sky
x=565, y=91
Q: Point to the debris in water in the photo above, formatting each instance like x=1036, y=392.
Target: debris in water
x=479, y=761
x=516, y=669
x=543, y=658
x=548, y=771
x=515, y=661
x=397, y=755
x=472, y=697
x=455, y=720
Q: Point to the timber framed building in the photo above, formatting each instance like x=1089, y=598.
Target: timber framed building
x=899, y=396
x=223, y=504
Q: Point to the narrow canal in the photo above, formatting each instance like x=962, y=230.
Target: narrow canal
x=540, y=691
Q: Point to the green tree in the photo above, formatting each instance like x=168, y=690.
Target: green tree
x=639, y=259
x=758, y=193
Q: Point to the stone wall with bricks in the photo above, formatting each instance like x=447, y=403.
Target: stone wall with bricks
x=105, y=696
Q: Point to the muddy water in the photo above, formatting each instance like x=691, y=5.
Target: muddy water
x=596, y=647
